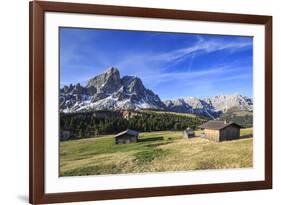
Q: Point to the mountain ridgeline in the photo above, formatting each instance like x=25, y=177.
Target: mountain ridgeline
x=109, y=92
x=108, y=104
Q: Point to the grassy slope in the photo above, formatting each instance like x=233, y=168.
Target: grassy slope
x=246, y=131
x=158, y=151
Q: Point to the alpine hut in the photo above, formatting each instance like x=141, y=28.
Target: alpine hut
x=127, y=136
x=221, y=130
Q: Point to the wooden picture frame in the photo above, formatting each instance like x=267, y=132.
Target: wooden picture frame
x=37, y=11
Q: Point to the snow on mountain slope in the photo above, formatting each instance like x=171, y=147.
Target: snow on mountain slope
x=211, y=107
x=108, y=91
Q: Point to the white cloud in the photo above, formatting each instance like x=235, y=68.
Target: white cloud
x=149, y=63
x=188, y=78
x=152, y=67
x=202, y=46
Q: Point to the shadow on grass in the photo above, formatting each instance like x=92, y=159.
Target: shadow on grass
x=246, y=136
x=152, y=139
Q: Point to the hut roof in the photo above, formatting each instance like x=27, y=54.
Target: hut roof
x=217, y=125
x=189, y=130
x=128, y=131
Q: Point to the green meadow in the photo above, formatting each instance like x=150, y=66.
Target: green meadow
x=156, y=152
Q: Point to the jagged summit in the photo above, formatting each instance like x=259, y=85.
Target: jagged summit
x=108, y=81
x=211, y=107
x=108, y=91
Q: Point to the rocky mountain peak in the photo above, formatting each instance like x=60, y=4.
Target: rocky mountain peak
x=112, y=71
x=211, y=107
x=226, y=102
x=107, y=91
x=107, y=82
x=133, y=84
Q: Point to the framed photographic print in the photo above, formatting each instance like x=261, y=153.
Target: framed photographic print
x=139, y=102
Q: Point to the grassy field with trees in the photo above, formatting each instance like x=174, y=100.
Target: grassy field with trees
x=94, y=124
x=157, y=151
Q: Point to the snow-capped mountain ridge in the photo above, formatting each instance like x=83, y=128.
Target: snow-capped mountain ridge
x=212, y=107
x=108, y=91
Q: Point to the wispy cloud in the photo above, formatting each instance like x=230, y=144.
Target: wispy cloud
x=177, y=63
x=200, y=47
x=189, y=78
x=158, y=61
x=171, y=76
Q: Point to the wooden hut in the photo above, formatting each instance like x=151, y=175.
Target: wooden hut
x=221, y=130
x=188, y=133
x=127, y=136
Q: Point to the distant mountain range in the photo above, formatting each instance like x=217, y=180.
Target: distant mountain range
x=211, y=107
x=108, y=91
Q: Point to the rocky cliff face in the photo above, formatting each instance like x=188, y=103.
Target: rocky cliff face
x=225, y=102
x=211, y=107
x=107, y=82
x=108, y=91
x=191, y=105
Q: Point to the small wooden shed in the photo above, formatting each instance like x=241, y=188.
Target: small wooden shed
x=127, y=136
x=221, y=130
x=188, y=133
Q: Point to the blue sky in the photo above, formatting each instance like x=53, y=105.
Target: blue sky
x=172, y=65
